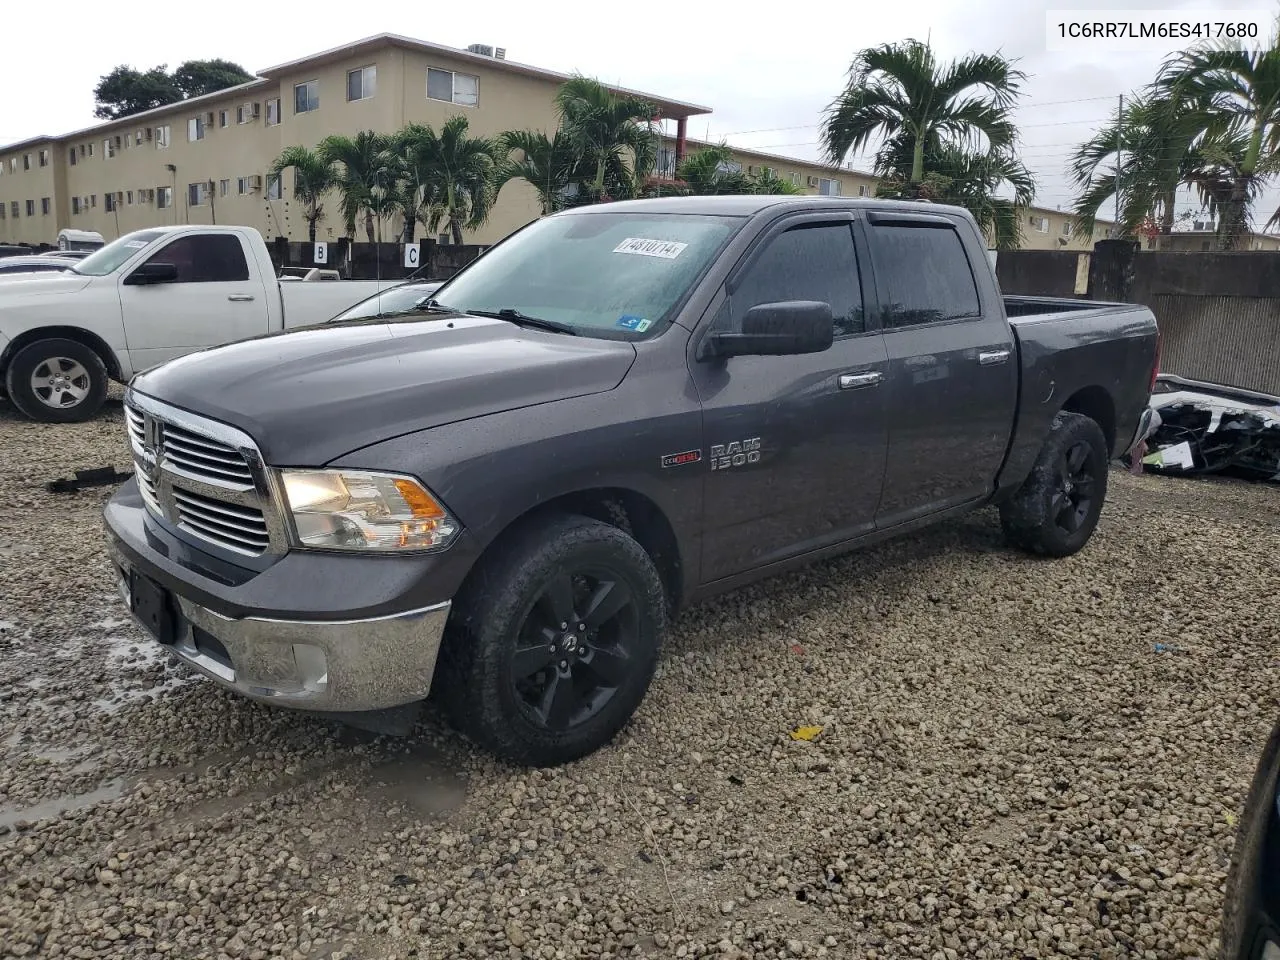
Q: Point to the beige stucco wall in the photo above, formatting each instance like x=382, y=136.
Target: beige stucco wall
x=35, y=184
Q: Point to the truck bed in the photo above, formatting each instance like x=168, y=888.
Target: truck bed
x=1095, y=357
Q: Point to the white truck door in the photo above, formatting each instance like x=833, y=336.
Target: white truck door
x=198, y=290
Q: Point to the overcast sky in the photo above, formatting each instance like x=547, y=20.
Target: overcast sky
x=767, y=75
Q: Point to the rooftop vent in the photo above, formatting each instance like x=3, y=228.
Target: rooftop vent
x=485, y=50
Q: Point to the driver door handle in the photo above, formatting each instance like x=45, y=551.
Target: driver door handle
x=989, y=357
x=240, y=297
x=854, y=381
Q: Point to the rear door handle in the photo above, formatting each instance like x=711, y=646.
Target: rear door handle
x=853, y=381
x=989, y=357
x=240, y=297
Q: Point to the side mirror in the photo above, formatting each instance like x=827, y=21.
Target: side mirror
x=153, y=272
x=778, y=329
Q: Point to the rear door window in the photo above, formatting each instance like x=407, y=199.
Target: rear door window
x=923, y=275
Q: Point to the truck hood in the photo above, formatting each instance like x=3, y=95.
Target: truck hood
x=309, y=396
x=21, y=286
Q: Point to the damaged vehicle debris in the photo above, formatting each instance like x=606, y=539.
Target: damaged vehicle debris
x=1208, y=428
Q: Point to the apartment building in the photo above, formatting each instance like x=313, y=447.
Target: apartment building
x=206, y=160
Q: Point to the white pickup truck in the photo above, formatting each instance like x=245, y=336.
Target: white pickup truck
x=146, y=298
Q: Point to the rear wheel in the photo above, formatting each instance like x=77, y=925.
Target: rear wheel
x=57, y=381
x=1057, y=507
x=553, y=644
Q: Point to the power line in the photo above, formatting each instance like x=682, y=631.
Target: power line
x=1023, y=106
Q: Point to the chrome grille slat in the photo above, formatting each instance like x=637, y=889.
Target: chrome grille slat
x=204, y=477
x=249, y=521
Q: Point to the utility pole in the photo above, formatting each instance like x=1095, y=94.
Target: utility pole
x=1119, y=146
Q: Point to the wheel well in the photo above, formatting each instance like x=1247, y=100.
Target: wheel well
x=631, y=512
x=90, y=340
x=1096, y=404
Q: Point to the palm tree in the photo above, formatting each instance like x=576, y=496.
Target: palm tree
x=767, y=181
x=712, y=171
x=457, y=172
x=366, y=163
x=898, y=92
x=313, y=177
x=1157, y=140
x=412, y=147
x=612, y=136
x=1240, y=90
x=548, y=164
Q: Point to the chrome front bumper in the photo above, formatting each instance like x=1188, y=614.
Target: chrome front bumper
x=335, y=666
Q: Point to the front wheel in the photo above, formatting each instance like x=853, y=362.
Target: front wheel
x=553, y=644
x=57, y=381
x=1057, y=507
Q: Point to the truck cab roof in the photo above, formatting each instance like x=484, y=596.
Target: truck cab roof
x=748, y=205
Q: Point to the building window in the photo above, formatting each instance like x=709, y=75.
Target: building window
x=71, y=156
x=13, y=164
x=195, y=128
x=197, y=193
x=242, y=185
x=108, y=202
x=46, y=205
x=31, y=208
x=164, y=197
x=93, y=200
x=1041, y=224
x=26, y=161
x=15, y=210
x=862, y=189
x=75, y=204
x=162, y=137
x=828, y=188
x=44, y=158
x=273, y=112
x=3, y=212
x=222, y=118
x=460, y=88
x=362, y=83
x=91, y=149
x=137, y=138
x=128, y=198
x=108, y=148
x=1068, y=228
x=223, y=187
x=273, y=186
x=306, y=97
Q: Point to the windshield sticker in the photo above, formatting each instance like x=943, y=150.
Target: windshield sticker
x=638, y=324
x=136, y=244
x=666, y=249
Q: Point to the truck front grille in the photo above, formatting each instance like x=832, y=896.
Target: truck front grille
x=204, y=458
x=243, y=529
x=202, y=477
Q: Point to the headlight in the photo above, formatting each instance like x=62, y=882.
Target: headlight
x=357, y=510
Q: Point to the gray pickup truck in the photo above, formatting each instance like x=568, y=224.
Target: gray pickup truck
x=502, y=490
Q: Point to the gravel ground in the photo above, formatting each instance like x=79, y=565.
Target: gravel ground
x=1008, y=766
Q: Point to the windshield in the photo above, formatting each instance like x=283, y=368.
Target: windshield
x=115, y=253
x=603, y=274
x=396, y=300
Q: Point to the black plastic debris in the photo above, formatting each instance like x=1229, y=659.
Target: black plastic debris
x=1209, y=428
x=93, y=477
